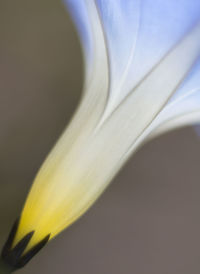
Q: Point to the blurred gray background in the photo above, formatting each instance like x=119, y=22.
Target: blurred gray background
x=148, y=219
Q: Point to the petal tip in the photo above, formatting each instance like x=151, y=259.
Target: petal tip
x=16, y=257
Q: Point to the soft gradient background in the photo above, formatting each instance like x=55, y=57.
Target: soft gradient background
x=148, y=221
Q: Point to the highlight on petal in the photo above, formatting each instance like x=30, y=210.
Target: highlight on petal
x=184, y=107
x=139, y=33
x=140, y=77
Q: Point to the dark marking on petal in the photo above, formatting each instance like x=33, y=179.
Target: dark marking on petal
x=18, y=250
x=11, y=237
x=15, y=257
x=30, y=254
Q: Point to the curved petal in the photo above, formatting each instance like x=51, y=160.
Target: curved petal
x=184, y=107
x=96, y=84
x=101, y=137
x=135, y=117
x=139, y=33
x=80, y=15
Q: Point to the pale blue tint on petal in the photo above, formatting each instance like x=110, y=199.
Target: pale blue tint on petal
x=192, y=82
x=140, y=33
x=79, y=12
x=186, y=99
x=121, y=25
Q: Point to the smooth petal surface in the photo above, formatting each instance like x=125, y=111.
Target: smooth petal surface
x=138, y=55
x=184, y=107
x=138, y=34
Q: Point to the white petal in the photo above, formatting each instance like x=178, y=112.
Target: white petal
x=100, y=138
x=184, y=107
x=96, y=86
x=134, y=119
x=139, y=33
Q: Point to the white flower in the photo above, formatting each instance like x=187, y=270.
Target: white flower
x=142, y=78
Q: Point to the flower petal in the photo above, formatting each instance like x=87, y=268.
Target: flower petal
x=139, y=33
x=75, y=175
x=101, y=137
x=96, y=86
x=136, y=35
x=133, y=120
x=184, y=107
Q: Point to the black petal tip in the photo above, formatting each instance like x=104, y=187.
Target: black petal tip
x=31, y=253
x=14, y=257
